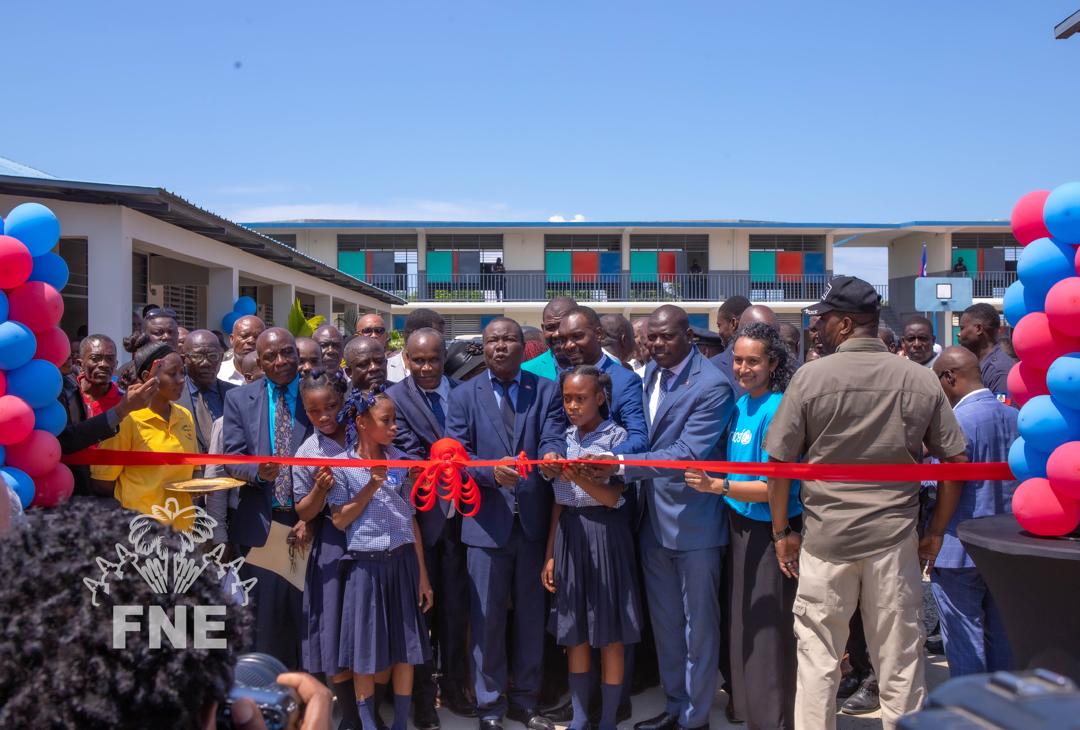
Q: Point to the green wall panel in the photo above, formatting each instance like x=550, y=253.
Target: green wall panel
x=762, y=266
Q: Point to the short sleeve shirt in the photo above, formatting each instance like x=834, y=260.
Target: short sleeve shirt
x=601, y=440
x=387, y=521
x=994, y=370
x=746, y=439
x=861, y=405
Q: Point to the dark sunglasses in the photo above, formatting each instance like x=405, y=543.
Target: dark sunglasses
x=373, y=331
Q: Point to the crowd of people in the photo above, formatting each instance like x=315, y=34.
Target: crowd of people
x=576, y=585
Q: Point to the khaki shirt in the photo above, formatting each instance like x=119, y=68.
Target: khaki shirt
x=861, y=405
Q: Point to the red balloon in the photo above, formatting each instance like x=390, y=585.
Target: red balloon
x=1027, y=217
x=1063, y=470
x=15, y=262
x=54, y=488
x=1063, y=306
x=3, y=383
x=53, y=346
x=1038, y=344
x=1025, y=382
x=37, y=454
x=1041, y=510
x=16, y=419
x=36, y=304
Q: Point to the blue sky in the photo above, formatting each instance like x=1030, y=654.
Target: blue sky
x=848, y=111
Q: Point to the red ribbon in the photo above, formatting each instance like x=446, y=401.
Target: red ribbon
x=442, y=479
x=445, y=474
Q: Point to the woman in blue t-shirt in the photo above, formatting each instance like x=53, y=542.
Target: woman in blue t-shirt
x=762, y=625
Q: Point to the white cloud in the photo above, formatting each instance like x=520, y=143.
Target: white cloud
x=399, y=209
x=578, y=218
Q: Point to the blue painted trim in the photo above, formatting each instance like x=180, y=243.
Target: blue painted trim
x=364, y=224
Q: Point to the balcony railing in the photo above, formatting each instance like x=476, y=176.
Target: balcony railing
x=622, y=287
x=986, y=284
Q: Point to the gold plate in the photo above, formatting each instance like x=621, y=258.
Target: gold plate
x=198, y=486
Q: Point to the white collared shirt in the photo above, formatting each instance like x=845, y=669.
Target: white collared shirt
x=654, y=386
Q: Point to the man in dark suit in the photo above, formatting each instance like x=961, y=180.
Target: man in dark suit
x=497, y=415
x=727, y=324
x=205, y=393
x=263, y=418
x=421, y=403
x=95, y=407
x=683, y=532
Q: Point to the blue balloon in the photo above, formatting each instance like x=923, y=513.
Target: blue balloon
x=228, y=321
x=1026, y=462
x=1048, y=423
x=20, y=483
x=245, y=306
x=35, y=225
x=3, y=307
x=1043, y=263
x=38, y=382
x=51, y=418
x=1019, y=302
x=1061, y=213
x=1063, y=380
x=17, y=345
x=52, y=269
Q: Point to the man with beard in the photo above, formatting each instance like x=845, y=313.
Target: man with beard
x=548, y=364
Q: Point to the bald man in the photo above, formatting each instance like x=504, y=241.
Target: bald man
x=971, y=624
x=372, y=325
x=205, y=393
x=761, y=314
x=548, y=364
x=244, y=333
x=266, y=418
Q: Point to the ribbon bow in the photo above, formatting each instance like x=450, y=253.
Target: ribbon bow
x=443, y=479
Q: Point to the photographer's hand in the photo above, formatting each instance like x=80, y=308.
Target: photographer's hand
x=316, y=699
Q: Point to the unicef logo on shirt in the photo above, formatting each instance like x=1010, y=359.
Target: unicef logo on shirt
x=742, y=438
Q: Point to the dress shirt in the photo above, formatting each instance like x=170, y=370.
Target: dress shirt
x=654, y=387
x=515, y=388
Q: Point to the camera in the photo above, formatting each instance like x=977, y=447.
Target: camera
x=255, y=678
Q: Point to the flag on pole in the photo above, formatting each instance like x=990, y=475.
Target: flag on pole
x=922, y=270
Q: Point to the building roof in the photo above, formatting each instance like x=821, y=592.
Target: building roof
x=171, y=208
x=719, y=223
x=11, y=167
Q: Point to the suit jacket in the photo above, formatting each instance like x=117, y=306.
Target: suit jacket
x=81, y=432
x=627, y=406
x=417, y=431
x=689, y=425
x=474, y=419
x=246, y=430
x=723, y=363
x=185, y=399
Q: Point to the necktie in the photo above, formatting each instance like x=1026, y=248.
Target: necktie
x=204, y=420
x=283, y=427
x=436, y=407
x=666, y=377
x=507, y=408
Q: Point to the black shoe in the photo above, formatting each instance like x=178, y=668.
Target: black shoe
x=849, y=685
x=663, y=721
x=699, y=727
x=458, y=701
x=864, y=701
x=934, y=645
x=491, y=725
x=729, y=712
x=530, y=719
x=560, y=713
x=425, y=718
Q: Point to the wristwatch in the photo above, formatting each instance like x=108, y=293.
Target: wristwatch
x=726, y=489
x=778, y=536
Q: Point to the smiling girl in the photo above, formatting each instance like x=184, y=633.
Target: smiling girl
x=762, y=624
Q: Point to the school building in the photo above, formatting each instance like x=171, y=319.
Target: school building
x=630, y=267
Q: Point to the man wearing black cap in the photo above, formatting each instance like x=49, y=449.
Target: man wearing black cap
x=858, y=547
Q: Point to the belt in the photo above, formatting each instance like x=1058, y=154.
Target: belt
x=589, y=510
x=378, y=554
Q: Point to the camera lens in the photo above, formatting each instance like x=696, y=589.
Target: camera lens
x=258, y=670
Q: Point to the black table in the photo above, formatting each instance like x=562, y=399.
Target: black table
x=1035, y=582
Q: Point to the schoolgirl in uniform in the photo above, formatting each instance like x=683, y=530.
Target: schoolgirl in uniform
x=589, y=563
x=386, y=588
x=323, y=396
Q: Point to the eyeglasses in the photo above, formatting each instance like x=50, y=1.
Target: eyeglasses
x=204, y=357
x=373, y=331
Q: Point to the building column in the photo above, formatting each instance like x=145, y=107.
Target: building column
x=624, y=247
x=108, y=303
x=284, y=297
x=222, y=291
x=324, y=305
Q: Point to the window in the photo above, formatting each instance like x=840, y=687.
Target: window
x=140, y=280
x=787, y=267
x=75, y=320
x=387, y=260
x=586, y=266
x=289, y=239
x=460, y=267
x=184, y=300
x=988, y=258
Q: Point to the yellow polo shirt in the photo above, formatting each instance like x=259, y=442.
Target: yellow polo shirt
x=141, y=487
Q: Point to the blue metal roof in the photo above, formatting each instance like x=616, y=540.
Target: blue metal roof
x=376, y=224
